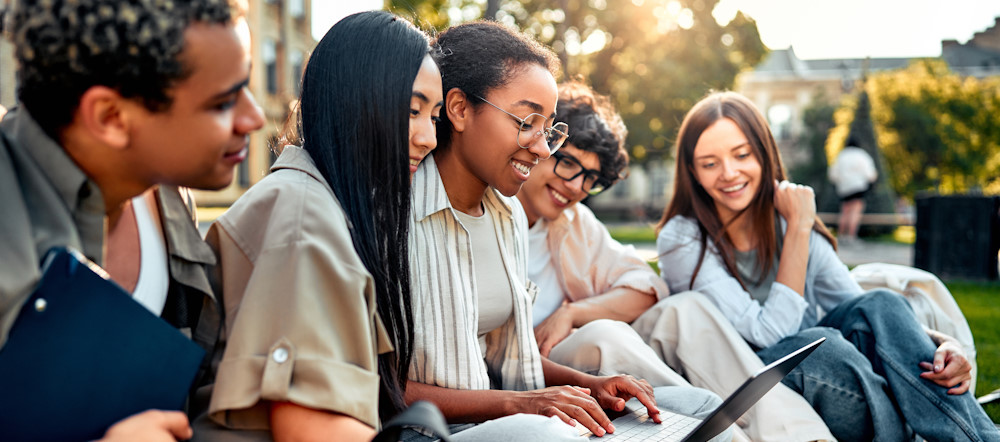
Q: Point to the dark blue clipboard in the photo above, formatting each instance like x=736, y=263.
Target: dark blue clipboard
x=83, y=355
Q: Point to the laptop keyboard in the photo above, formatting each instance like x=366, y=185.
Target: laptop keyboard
x=639, y=427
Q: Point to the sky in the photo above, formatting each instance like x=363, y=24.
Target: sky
x=816, y=29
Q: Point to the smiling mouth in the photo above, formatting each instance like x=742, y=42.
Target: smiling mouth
x=734, y=188
x=558, y=196
x=415, y=161
x=521, y=167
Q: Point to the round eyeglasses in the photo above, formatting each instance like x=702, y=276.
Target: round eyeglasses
x=532, y=127
x=568, y=168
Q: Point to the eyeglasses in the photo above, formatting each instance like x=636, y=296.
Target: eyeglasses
x=533, y=127
x=568, y=168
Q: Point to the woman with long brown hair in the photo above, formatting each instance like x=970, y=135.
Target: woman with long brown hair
x=749, y=240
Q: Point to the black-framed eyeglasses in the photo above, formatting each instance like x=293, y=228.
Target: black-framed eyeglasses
x=532, y=127
x=568, y=168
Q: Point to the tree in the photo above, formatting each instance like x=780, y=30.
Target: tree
x=939, y=131
x=817, y=120
x=655, y=58
x=881, y=198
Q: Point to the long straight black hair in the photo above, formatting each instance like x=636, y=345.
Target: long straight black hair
x=354, y=122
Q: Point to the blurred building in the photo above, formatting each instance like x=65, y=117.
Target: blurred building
x=783, y=85
x=281, y=33
x=7, y=81
x=281, y=43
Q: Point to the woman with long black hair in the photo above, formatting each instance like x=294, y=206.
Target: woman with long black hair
x=312, y=261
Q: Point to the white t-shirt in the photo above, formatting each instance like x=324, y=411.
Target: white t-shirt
x=853, y=171
x=496, y=297
x=154, y=276
x=542, y=273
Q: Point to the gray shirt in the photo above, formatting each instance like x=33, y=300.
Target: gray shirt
x=47, y=201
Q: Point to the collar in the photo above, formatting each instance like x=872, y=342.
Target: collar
x=297, y=158
x=430, y=196
x=72, y=184
x=183, y=239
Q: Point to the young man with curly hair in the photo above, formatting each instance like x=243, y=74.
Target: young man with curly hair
x=602, y=310
x=117, y=97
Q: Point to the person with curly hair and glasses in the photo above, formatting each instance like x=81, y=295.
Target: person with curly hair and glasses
x=116, y=98
x=601, y=309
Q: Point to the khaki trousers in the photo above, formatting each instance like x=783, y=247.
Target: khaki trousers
x=711, y=355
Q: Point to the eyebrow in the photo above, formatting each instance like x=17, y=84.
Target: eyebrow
x=535, y=107
x=232, y=90
x=738, y=146
x=424, y=98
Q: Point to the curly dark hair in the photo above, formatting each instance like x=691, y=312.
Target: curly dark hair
x=594, y=126
x=64, y=47
x=480, y=56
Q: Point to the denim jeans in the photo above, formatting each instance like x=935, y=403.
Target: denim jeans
x=865, y=380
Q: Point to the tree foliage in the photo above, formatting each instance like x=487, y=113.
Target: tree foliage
x=817, y=121
x=655, y=58
x=939, y=131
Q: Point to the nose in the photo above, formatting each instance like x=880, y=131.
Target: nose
x=424, y=135
x=250, y=116
x=729, y=171
x=576, y=184
x=540, y=147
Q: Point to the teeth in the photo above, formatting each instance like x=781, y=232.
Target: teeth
x=414, y=162
x=521, y=167
x=558, y=196
x=734, y=188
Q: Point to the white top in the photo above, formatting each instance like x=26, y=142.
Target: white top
x=542, y=272
x=853, y=171
x=154, y=275
x=495, y=302
x=785, y=312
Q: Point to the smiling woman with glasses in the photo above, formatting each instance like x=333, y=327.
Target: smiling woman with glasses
x=468, y=250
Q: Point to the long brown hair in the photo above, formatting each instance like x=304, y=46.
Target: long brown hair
x=691, y=200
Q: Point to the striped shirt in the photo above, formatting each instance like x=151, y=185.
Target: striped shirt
x=446, y=350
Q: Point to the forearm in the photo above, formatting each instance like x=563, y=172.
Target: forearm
x=558, y=374
x=620, y=304
x=794, y=257
x=461, y=406
x=291, y=422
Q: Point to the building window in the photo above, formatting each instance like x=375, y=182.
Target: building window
x=297, y=8
x=270, y=59
x=297, y=60
x=780, y=118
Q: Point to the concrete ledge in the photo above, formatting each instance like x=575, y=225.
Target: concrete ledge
x=874, y=219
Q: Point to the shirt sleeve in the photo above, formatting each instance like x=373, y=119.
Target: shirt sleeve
x=594, y=263
x=827, y=278
x=304, y=329
x=679, y=247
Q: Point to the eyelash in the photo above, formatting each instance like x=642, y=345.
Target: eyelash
x=226, y=105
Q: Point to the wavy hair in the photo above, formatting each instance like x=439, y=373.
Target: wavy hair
x=691, y=200
x=354, y=122
x=594, y=127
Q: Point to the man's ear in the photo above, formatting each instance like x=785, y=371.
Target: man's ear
x=458, y=107
x=104, y=114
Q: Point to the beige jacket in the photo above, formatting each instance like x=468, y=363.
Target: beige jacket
x=590, y=262
x=301, y=324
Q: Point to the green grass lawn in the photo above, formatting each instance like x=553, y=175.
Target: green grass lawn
x=980, y=302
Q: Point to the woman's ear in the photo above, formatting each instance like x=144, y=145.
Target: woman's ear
x=102, y=114
x=458, y=107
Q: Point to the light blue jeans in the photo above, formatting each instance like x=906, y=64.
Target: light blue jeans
x=865, y=379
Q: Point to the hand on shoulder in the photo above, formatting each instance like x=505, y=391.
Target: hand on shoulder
x=796, y=203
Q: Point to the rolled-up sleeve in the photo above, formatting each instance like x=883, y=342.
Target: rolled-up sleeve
x=301, y=326
x=679, y=247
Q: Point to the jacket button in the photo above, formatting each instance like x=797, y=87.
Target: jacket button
x=280, y=355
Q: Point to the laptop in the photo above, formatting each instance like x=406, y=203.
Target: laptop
x=635, y=424
x=82, y=355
